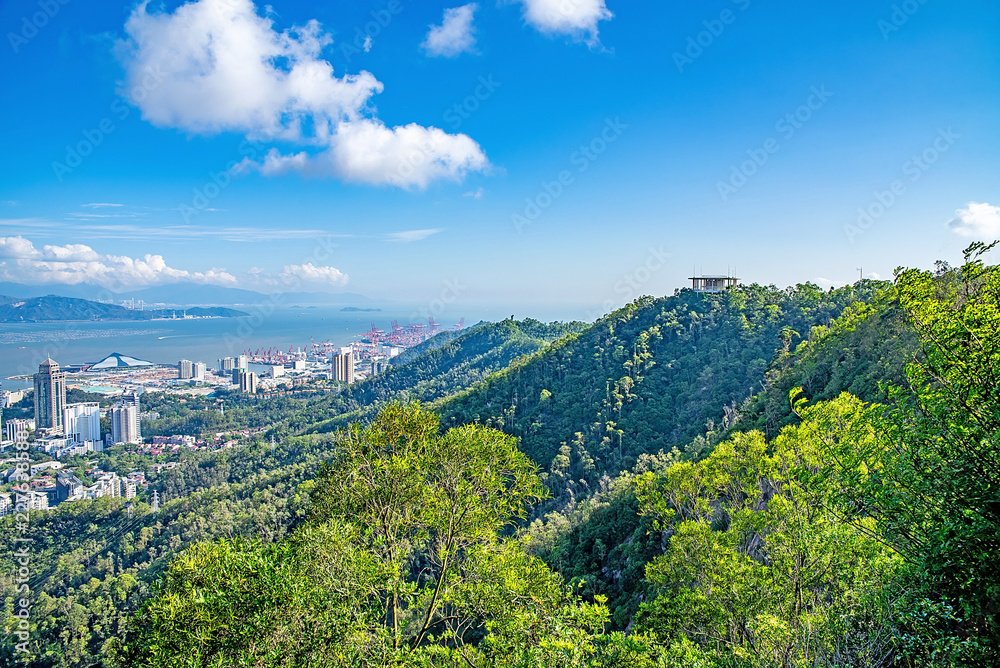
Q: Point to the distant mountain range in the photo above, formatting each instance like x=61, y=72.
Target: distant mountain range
x=52, y=308
x=186, y=294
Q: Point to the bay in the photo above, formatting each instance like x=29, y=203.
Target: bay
x=23, y=346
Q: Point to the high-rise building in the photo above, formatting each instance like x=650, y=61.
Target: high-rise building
x=16, y=431
x=343, y=365
x=247, y=380
x=50, y=396
x=125, y=421
x=130, y=398
x=185, y=369
x=82, y=422
x=198, y=372
x=227, y=364
x=243, y=362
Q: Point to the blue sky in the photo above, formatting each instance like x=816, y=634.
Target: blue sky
x=600, y=149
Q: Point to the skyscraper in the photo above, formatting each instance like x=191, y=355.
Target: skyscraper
x=198, y=372
x=82, y=422
x=343, y=365
x=247, y=380
x=125, y=424
x=185, y=369
x=50, y=396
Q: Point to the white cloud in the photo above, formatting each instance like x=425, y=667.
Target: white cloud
x=576, y=18
x=475, y=194
x=978, y=220
x=216, y=65
x=73, y=264
x=97, y=205
x=408, y=156
x=409, y=236
x=17, y=247
x=455, y=35
x=70, y=253
x=309, y=273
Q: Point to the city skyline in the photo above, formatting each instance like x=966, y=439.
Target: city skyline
x=483, y=155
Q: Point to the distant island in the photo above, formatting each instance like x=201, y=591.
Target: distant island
x=357, y=309
x=53, y=308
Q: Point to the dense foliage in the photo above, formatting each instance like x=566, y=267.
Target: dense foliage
x=693, y=483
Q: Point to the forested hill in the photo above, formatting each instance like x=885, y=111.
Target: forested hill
x=444, y=365
x=654, y=375
x=592, y=533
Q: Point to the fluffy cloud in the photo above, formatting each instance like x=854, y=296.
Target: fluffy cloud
x=576, y=18
x=367, y=151
x=17, y=247
x=76, y=263
x=309, y=273
x=216, y=65
x=978, y=220
x=455, y=35
x=70, y=253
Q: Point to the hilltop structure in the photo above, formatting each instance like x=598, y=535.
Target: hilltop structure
x=713, y=284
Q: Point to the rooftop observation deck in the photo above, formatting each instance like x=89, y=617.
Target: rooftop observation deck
x=712, y=283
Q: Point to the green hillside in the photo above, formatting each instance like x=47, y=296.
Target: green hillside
x=651, y=376
x=662, y=485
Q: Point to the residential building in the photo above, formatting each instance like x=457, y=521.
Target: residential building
x=50, y=396
x=226, y=365
x=16, y=430
x=343, y=365
x=37, y=500
x=6, y=507
x=68, y=487
x=50, y=445
x=185, y=369
x=276, y=371
x=243, y=362
x=247, y=381
x=198, y=371
x=8, y=399
x=44, y=466
x=82, y=422
x=125, y=426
